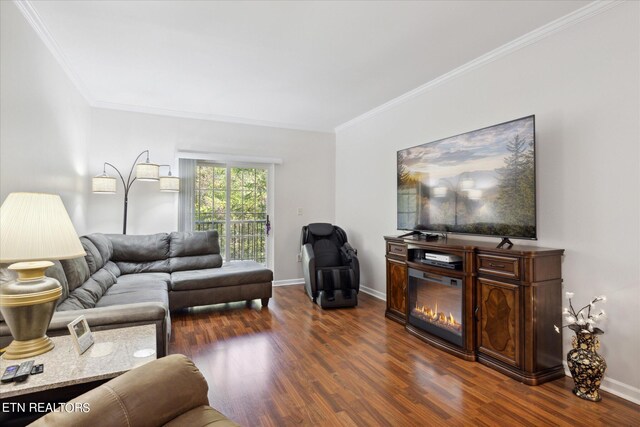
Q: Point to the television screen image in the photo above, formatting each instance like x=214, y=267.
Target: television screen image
x=481, y=182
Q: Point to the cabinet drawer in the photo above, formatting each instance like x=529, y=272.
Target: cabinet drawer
x=397, y=249
x=499, y=266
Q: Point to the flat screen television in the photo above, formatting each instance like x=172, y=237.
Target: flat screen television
x=480, y=182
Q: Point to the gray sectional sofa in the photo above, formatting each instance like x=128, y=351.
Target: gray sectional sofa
x=127, y=280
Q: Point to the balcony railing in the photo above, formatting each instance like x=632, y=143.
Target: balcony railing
x=247, y=238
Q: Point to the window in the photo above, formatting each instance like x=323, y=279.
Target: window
x=233, y=201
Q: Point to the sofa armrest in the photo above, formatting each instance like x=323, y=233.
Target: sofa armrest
x=150, y=395
x=117, y=316
x=113, y=316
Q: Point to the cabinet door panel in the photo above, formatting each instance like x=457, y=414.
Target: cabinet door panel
x=397, y=292
x=499, y=319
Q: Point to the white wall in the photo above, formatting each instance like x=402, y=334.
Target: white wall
x=305, y=179
x=583, y=86
x=44, y=121
x=52, y=141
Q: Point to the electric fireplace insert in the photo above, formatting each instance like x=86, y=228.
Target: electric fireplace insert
x=436, y=304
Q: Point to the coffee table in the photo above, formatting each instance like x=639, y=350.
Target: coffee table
x=68, y=374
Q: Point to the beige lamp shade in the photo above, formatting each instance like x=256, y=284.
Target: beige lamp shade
x=169, y=184
x=36, y=227
x=147, y=172
x=103, y=184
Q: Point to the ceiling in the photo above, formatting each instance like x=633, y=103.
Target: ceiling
x=306, y=65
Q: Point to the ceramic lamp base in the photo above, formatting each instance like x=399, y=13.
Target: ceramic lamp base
x=24, y=349
x=27, y=305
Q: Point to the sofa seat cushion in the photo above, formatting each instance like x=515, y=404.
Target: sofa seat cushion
x=135, y=292
x=128, y=279
x=230, y=274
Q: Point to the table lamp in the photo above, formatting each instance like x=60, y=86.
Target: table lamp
x=34, y=229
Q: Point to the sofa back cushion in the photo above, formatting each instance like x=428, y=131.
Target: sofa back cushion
x=93, y=256
x=57, y=272
x=91, y=276
x=194, y=250
x=88, y=294
x=76, y=270
x=140, y=254
x=99, y=250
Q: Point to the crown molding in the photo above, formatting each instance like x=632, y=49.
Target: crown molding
x=33, y=18
x=584, y=13
x=227, y=158
x=204, y=116
x=36, y=22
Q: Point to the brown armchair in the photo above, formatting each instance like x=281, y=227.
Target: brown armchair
x=169, y=391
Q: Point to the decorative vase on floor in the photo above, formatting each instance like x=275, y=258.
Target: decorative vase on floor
x=586, y=365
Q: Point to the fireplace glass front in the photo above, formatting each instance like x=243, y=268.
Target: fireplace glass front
x=435, y=304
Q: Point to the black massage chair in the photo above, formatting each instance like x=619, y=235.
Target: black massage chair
x=330, y=265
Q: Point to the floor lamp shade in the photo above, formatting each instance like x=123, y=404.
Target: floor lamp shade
x=170, y=184
x=34, y=228
x=103, y=184
x=147, y=172
x=144, y=171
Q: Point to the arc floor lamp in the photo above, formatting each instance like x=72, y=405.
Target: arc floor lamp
x=145, y=171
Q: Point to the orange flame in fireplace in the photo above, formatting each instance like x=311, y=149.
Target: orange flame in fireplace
x=436, y=317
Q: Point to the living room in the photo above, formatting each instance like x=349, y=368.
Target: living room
x=575, y=65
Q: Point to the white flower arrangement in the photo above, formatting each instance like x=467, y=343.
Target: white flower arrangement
x=580, y=321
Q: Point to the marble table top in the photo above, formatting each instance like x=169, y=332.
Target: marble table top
x=112, y=354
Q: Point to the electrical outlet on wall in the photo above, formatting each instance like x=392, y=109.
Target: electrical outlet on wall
x=299, y=257
x=299, y=211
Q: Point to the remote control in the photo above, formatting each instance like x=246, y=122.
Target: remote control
x=37, y=369
x=9, y=373
x=23, y=371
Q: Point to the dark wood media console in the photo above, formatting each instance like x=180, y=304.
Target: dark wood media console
x=511, y=298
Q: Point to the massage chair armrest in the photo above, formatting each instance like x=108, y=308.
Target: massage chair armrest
x=349, y=249
x=309, y=266
x=350, y=256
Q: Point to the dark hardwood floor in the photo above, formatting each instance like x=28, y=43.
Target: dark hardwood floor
x=296, y=364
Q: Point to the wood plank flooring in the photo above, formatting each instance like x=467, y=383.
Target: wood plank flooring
x=296, y=364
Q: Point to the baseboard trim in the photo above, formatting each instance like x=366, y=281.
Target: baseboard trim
x=287, y=282
x=615, y=387
x=373, y=292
